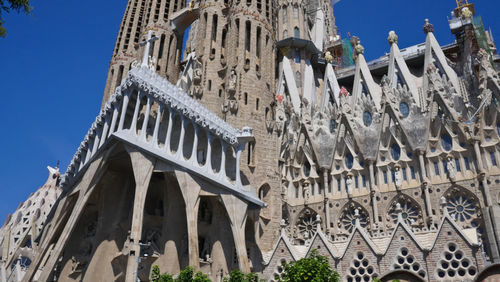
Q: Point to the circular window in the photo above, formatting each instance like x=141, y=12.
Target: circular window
x=404, y=109
x=446, y=142
x=349, y=161
x=395, y=151
x=367, y=118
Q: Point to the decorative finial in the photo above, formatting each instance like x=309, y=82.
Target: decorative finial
x=356, y=218
x=428, y=27
x=328, y=57
x=393, y=37
x=318, y=223
x=147, y=43
x=399, y=212
x=443, y=206
x=466, y=13
x=359, y=48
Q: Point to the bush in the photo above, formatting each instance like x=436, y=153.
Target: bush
x=186, y=275
x=238, y=276
x=313, y=268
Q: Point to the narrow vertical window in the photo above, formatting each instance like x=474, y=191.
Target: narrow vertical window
x=285, y=14
x=296, y=32
x=296, y=192
x=405, y=177
x=385, y=176
x=119, y=76
x=457, y=164
x=393, y=176
x=162, y=46
x=436, y=168
x=467, y=164
x=246, y=98
x=412, y=172
x=493, y=159
x=237, y=22
x=364, y=180
x=214, y=27
x=339, y=184
x=295, y=12
x=356, y=181
x=445, y=167
x=248, y=29
x=257, y=44
x=257, y=104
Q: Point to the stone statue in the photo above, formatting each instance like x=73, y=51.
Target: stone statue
x=398, y=177
x=233, y=77
x=349, y=184
x=307, y=191
x=450, y=166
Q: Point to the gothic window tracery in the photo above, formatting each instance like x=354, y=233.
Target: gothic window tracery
x=405, y=260
x=454, y=265
x=347, y=219
x=306, y=225
x=463, y=207
x=410, y=210
x=360, y=269
x=395, y=152
x=367, y=118
x=404, y=109
x=446, y=142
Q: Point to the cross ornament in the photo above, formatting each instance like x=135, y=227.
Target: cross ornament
x=147, y=43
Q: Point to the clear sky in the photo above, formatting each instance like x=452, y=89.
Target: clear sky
x=53, y=68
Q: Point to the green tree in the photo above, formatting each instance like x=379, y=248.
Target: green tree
x=238, y=276
x=6, y=6
x=186, y=275
x=157, y=277
x=314, y=268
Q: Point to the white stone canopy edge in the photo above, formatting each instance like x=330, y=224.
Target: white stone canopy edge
x=150, y=83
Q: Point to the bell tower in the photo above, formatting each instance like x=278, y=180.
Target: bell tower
x=141, y=16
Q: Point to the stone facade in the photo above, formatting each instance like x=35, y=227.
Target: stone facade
x=389, y=168
x=20, y=230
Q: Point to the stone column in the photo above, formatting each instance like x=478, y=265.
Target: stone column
x=372, y=193
x=190, y=190
x=491, y=213
x=126, y=98
x=237, y=212
x=482, y=174
x=326, y=201
x=425, y=184
x=142, y=166
x=85, y=187
x=133, y=127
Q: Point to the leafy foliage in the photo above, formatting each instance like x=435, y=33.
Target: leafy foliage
x=238, y=276
x=12, y=5
x=186, y=275
x=314, y=268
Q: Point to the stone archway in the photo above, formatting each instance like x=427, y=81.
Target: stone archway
x=401, y=275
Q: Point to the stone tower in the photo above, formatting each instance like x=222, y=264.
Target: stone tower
x=141, y=16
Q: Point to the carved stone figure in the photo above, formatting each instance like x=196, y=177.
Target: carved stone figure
x=450, y=166
x=398, y=177
x=233, y=77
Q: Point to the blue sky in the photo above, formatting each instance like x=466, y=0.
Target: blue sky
x=54, y=64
